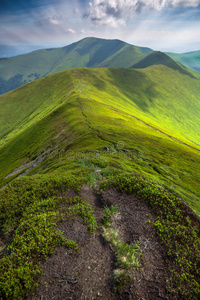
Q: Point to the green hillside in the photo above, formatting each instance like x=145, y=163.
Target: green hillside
x=99, y=177
x=159, y=58
x=190, y=59
x=86, y=110
x=161, y=96
x=89, y=52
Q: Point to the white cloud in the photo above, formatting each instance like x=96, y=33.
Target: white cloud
x=114, y=12
x=76, y=11
x=87, y=32
x=183, y=3
x=50, y=20
x=55, y=20
x=70, y=30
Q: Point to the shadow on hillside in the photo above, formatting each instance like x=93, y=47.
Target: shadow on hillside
x=136, y=86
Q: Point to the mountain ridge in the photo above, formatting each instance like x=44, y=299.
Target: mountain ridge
x=189, y=59
x=160, y=58
x=88, y=52
x=63, y=111
x=99, y=177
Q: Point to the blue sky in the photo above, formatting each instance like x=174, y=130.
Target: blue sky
x=166, y=25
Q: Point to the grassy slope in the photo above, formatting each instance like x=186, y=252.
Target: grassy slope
x=31, y=103
x=190, y=59
x=69, y=117
x=158, y=95
x=90, y=109
x=89, y=52
x=159, y=58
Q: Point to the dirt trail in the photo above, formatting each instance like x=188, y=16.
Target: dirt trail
x=149, y=281
x=90, y=275
x=85, y=277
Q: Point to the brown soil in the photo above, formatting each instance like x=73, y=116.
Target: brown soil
x=149, y=282
x=90, y=275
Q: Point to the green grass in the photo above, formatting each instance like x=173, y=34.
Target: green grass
x=157, y=95
x=27, y=107
x=127, y=256
x=108, y=213
x=79, y=112
x=159, y=58
x=160, y=96
x=30, y=213
x=138, y=115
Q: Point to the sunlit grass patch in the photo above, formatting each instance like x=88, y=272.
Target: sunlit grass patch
x=127, y=256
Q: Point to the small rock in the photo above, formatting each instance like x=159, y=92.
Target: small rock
x=98, y=171
x=99, y=294
x=106, y=148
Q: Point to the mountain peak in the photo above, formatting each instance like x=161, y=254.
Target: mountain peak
x=89, y=52
x=160, y=58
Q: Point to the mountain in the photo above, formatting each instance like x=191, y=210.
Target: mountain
x=189, y=59
x=160, y=58
x=89, y=52
x=100, y=176
x=87, y=109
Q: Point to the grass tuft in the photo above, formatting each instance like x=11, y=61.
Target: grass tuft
x=127, y=256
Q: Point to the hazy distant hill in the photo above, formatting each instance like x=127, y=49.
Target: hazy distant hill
x=190, y=59
x=89, y=52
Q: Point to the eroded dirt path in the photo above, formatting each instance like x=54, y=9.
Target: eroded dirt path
x=90, y=275
x=132, y=223
x=85, y=277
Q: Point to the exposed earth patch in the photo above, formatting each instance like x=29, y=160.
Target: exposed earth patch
x=90, y=275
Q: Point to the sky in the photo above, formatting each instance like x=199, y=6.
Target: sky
x=166, y=25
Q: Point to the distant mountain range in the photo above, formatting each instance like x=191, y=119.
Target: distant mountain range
x=89, y=52
x=190, y=59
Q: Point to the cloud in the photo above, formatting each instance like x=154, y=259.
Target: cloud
x=70, y=30
x=115, y=12
x=53, y=20
x=183, y=3
x=87, y=32
x=76, y=11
